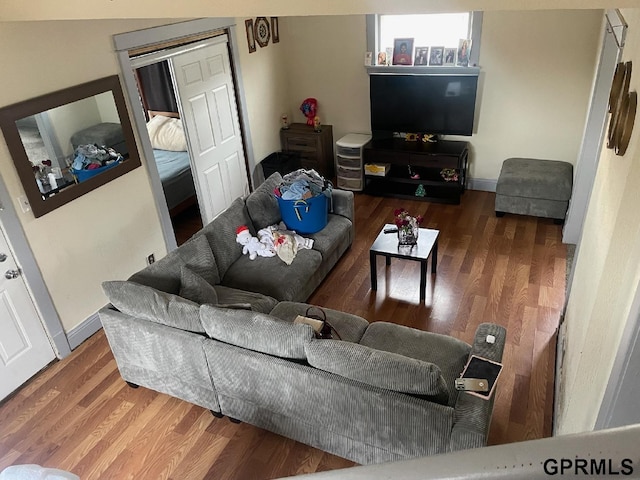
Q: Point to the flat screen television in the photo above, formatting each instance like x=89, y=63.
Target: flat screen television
x=438, y=104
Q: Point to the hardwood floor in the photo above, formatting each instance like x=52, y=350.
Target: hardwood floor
x=79, y=415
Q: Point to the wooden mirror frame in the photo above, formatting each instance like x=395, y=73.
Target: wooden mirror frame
x=12, y=113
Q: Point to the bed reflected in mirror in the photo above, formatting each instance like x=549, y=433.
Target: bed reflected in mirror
x=69, y=142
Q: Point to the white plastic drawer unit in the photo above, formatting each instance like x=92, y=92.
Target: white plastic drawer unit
x=343, y=151
x=349, y=165
x=349, y=172
x=350, y=183
x=346, y=162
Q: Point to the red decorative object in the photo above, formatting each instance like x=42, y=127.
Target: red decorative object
x=407, y=226
x=309, y=108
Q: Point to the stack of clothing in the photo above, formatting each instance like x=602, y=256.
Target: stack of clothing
x=89, y=157
x=302, y=184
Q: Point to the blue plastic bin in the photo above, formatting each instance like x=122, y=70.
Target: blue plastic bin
x=83, y=175
x=305, y=216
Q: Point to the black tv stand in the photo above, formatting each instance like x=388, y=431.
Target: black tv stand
x=426, y=159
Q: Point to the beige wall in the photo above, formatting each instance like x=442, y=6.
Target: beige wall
x=47, y=10
x=607, y=273
x=325, y=60
x=266, y=88
x=107, y=233
x=537, y=72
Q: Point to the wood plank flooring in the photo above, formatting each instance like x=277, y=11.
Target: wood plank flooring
x=79, y=415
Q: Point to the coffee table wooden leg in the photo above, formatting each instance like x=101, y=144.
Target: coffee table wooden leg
x=434, y=257
x=423, y=279
x=372, y=264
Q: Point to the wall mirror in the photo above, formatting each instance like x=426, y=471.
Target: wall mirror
x=67, y=143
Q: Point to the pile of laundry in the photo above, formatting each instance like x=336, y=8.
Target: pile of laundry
x=302, y=184
x=271, y=241
x=90, y=157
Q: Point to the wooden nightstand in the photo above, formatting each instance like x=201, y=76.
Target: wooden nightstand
x=314, y=148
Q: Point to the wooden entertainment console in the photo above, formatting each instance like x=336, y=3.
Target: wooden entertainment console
x=425, y=159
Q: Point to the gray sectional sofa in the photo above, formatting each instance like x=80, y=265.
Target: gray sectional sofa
x=209, y=326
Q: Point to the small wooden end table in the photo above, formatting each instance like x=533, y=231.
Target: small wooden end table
x=386, y=244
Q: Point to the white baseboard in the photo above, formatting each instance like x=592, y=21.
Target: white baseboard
x=79, y=334
x=483, y=184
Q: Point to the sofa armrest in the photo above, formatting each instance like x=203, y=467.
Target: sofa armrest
x=342, y=203
x=472, y=415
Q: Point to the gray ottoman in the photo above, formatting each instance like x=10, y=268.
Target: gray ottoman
x=540, y=188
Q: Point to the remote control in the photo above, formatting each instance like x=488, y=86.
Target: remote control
x=391, y=230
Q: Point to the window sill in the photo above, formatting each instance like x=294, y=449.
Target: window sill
x=421, y=70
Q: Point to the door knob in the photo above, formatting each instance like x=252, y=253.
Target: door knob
x=3, y=257
x=11, y=274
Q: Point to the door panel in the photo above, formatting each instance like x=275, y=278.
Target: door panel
x=216, y=192
x=24, y=345
x=202, y=127
x=224, y=109
x=207, y=100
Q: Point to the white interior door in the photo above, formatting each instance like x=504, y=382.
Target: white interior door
x=209, y=111
x=24, y=345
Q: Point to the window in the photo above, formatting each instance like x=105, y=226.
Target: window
x=427, y=30
x=442, y=30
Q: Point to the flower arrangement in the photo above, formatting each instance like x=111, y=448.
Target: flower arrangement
x=407, y=226
x=41, y=168
x=449, y=174
x=41, y=171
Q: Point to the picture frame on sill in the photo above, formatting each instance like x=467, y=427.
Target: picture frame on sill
x=262, y=31
x=403, y=51
x=422, y=56
x=450, y=57
x=436, y=55
x=464, y=48
x=275, y=30
x=382, y=58
x=251, y=39
x=389, y=51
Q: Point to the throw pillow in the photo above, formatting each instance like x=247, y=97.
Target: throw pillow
x=378, y=368
x=196, y=254
x=256, y=331
x=167, y=133
x=150, y=304
x=256, y=301
x=221, y=234
x=262, y=204
x=165, y=274
x=195, y=288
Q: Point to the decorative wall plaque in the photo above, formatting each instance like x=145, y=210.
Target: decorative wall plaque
x=262, y=31
x=622, y=106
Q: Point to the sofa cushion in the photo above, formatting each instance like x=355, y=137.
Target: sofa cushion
x=150, y=304
x=262, y=204
x=378, y=368
x=232, y=296
x=350, y=327
x=448, y=353
x=195, y=288
x=330, y=237
x=221, y=235
x=256, y=331
x=272, y=277
x=165, y=274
